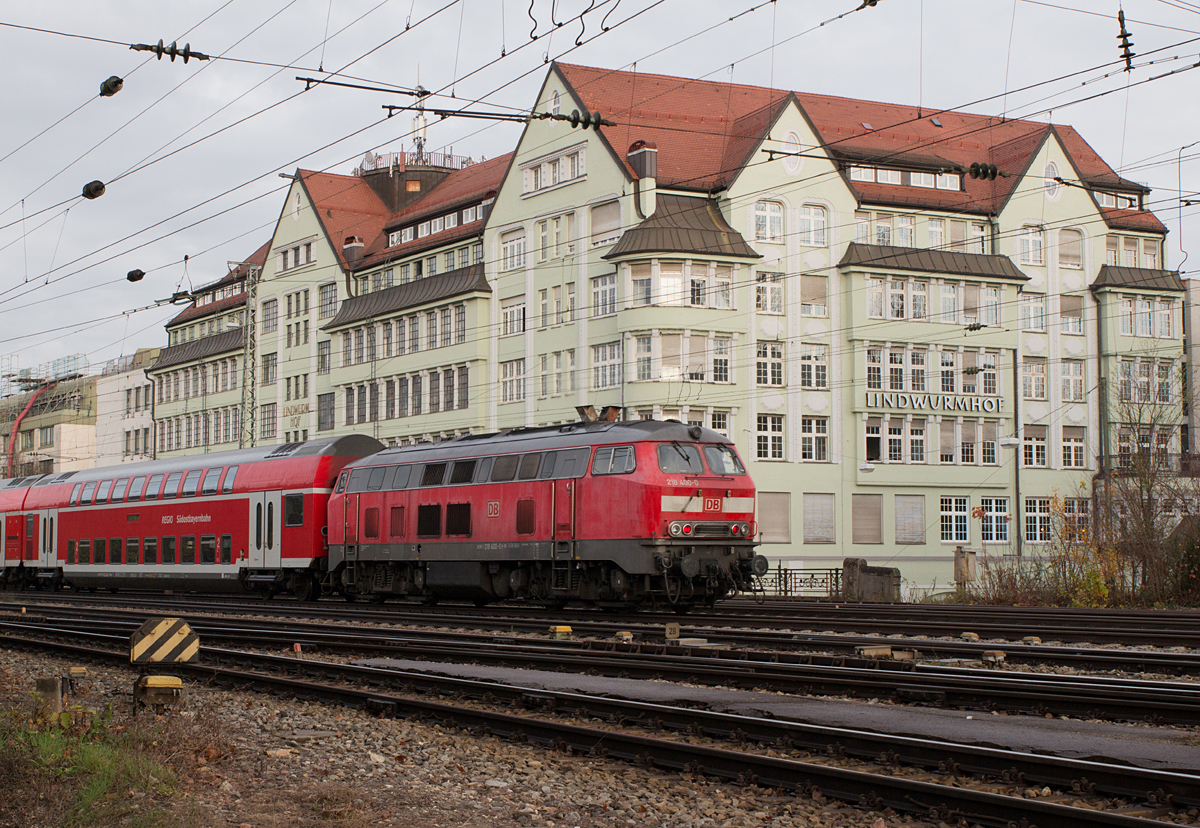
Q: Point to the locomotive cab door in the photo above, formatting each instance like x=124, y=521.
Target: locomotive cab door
x=564, y=515
x=350, y=503
x=258, y=529
x=272, y=522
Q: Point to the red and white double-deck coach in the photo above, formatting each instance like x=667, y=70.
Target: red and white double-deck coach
x=251, y=518
x=616, y=513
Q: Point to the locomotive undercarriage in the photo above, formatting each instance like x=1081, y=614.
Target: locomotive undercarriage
x=681, y=576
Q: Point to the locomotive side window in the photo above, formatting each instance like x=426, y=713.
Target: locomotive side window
x=131, y=550
x=458, y=519
x=171, y=487
x=150, y=551
x=191, y=483
x=675, y=458
x=208, y=549
x=375, y=481
x=270, y=526
x=400, y=480
x=396, y=529
x=102, y=492
x=118, y=492
x=227, y=485
x=135, y=489
x=548, y=465
x=100, y=551
x=723, y=460
x=463, y=472
x=212, y=478
x=75, y=494
x=614, y=460
x=485, y=469
x=116, y=551
x=341, y=484
x=434, y=474
x=168, y=550
x=429, y=520
x=187, y=549
x=85, y=551
x=293, y=510
x=226, y=549
x=86, y=499
x=529, y=466
x=371, y=522
x=571, y=463
x=526, y=517
x=505, y=468
x=70, y=551
x=358, y=480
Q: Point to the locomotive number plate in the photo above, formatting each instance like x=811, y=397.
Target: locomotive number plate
x=493, y=508
x=712, y=504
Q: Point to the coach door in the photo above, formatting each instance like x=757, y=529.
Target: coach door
x=47, y=546
x=272, y=521
x=258, y=529
x=564, y=509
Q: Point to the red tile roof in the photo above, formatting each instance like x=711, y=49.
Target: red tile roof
x=346, y=206
x=194, y=311
x=706, y=130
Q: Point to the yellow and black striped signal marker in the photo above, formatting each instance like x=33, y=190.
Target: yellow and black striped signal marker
x=163, y=640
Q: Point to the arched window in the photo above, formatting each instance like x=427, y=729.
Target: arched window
x=813, y=222
x=768, y=221
x=1070, y=249
x=792, y=163
x=1050, y=185
x=555, y=103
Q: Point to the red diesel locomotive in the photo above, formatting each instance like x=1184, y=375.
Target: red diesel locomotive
x=620, y=514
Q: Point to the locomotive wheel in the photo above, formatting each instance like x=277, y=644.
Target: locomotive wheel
x=430, y=600
x=307, y=589
x=378, y=597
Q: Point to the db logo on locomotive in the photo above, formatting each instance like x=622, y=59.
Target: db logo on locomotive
x=712, y=504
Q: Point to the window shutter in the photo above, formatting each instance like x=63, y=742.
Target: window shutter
x=868, y=518
x=775, y=516
x=946, y=438
x=696, y=358
x=1035, y=432
x=819, y=518
x=606, y=219
x=1070, y=248
x=989, y=432
x=1070, y=306
x=814, y=289
x=671, y=348
x=910, y=518
x=970, y=299
x=958, y=235
x=1073, y=432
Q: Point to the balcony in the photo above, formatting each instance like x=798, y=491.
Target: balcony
x=1146, y=463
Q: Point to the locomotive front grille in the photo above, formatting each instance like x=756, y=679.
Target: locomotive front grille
x=711, y=530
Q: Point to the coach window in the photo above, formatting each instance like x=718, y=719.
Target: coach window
x=116, y=553
x=230, y=474
x=100, y=551
x=70, y=551
x=75, y=494
x=191, y=483
x=86, y=500
x=529, y=466
x=150, y=551
x=434, y=474
x=212, y=480
x=358, y=480
x=132, y=550
x=526, y=517
x=614, y=460
x=293, y=510
x=153, y=485
x=226, y=549
x=505, y=468
x=208, y=549
x=135, y=489
x=463, y=472
x=401, y=478
x=258, y=510
x=270, y=526
x=102, y=492
x=458, y=519
x=429, y=520
x=375, y=481
x=85, y=551
x=187, y=549
x=674, y=458
x=168, y=550
x=171, y=487
x=118, y=492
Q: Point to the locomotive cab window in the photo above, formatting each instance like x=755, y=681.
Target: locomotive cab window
x=434, y=474
x=191, y=483
x=212, y=479
x=102, y=492
x=75, y=494
x=614, y=460
x=293, y=510
x=341, y=484
x=86, y=499
x=463, y=472
x=723, y=460
x=529, y=466
x=676, y=458
x=400, y=480
x=135, y=489
x=358, y=480
x=227, y=484
x=118, y=492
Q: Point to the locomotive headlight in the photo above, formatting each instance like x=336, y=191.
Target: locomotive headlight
x=745, y=530
x=675, y=529
x=735, y=529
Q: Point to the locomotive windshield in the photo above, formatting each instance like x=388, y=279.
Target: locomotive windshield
x=676, y=458
x=723, y=460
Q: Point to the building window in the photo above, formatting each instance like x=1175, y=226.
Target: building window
x=883, y=229
x=814, y=439
x=1073, y=447
x=1142, y=317
x=814, y=366
x=512, y=381
x=1166, y=320
x=769, y=293
x=512, y=318
x=1030, y=246
x=954, y=519
x=604, y=295
x=896, y=369
x=949, y=372
x=270, y=316
x=1163, y=383
x=512, y=250
x=1033, y=313
x=769, y=369
x=325, y=407
x=1033, y=379
x=721, y=351
x=606, y=365
x=993, y=518
x=1126, y=314
x=906, y=231
x=1034, y=446
x=896, y=289
x=1070, y=249
x=937, y=233
x=770, y=437
x=1037, y=519
x=875, y=369
x=813, y=223
x=267, y=425
x=875, y=298
x=1076, y=518
x=768, y=221
x=916, y=441
x=270, y=366
x=1072, y=380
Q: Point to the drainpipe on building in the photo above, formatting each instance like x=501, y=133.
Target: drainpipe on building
x=1102, y=384
x=1017, y=431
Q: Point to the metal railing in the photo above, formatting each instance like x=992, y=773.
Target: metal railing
x=1150, y=462
x=803, y=583
x=400, y=160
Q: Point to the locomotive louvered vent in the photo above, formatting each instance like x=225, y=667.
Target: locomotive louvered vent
x=16, y=481
x=284, y=450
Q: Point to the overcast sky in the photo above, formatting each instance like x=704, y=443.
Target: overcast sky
x=63, y=260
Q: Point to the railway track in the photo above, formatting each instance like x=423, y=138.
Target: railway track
x=1090, y=792
x=1113, y=698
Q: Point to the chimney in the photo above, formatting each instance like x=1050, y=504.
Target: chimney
x=352, y=249
x=643, y=158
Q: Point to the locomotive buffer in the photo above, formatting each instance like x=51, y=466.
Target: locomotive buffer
x=161, y=641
